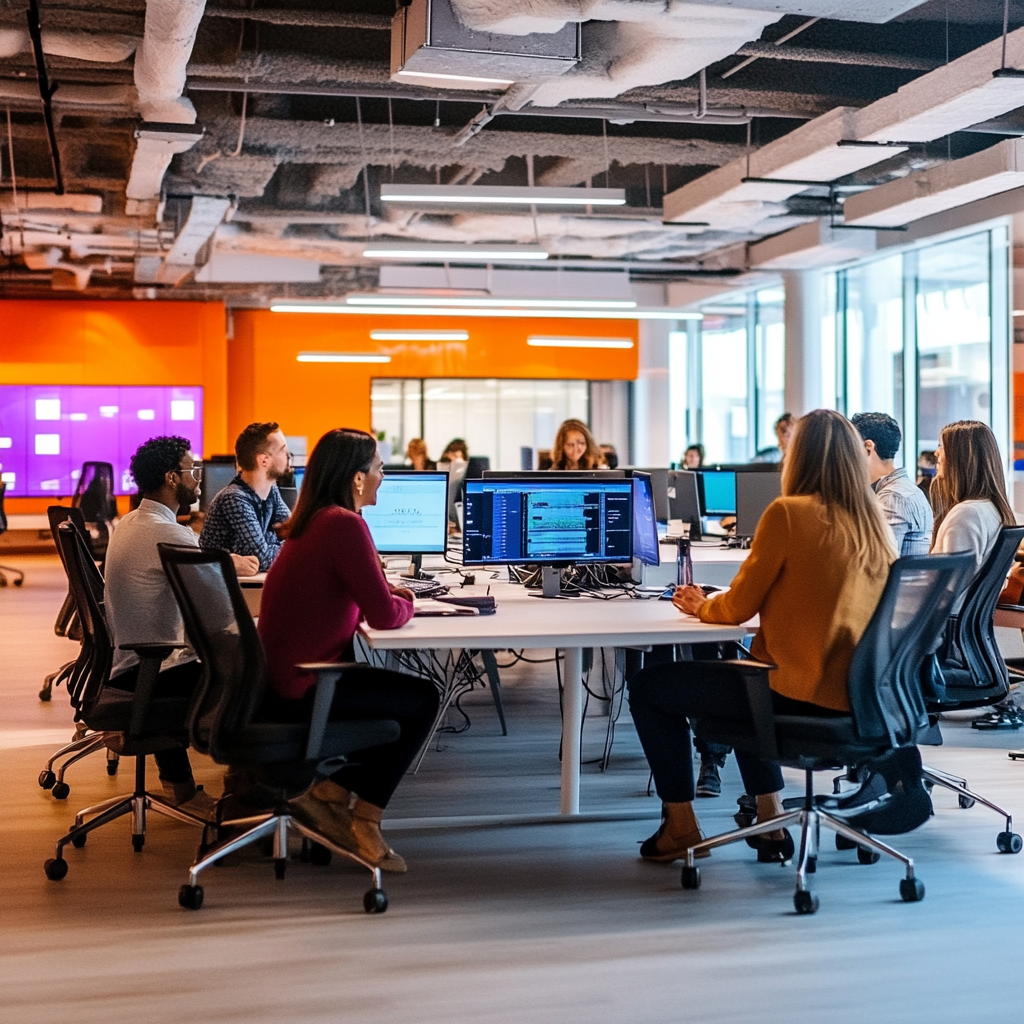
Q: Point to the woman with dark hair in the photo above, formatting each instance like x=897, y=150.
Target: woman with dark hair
x=575, y=447
x=327, y=577
x=817, y=568
x=693, y=457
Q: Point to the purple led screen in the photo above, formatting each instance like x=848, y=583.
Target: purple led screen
x=46, y=433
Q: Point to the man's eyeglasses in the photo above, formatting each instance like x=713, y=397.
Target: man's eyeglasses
x=196, y=470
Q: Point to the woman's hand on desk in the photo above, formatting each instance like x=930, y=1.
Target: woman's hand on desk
x=402, y=592
x=245, y=565
x=688, y=600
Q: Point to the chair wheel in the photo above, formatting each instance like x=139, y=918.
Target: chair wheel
x=56, y=868
x=46, y=779
x=45, y=693
x=138, y=842
x=1009, y=842
x=691, y=877
x=79, y=841
x=18, y=583
x=279, y=866
x=868, y=856
x=112, y=767
x=375, y=901
x=60, y=791
x=190, y=897
x=842, y=843
x=319, y=855
x=812, y=865
x=911, y=890
x=805, y=902
x=965, y=802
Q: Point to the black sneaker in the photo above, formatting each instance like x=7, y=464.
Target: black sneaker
x=709, y=783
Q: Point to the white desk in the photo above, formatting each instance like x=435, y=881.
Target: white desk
x=528, y=622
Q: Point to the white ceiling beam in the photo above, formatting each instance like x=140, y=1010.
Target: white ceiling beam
x=811, y=245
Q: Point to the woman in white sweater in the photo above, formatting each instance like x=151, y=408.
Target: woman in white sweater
x=968, y=493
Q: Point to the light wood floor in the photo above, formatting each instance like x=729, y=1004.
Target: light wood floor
x=556, y=923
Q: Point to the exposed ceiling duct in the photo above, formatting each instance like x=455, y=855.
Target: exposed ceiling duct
x=815, y=244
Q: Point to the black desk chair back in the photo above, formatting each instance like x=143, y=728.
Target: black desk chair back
x=7, y=570
x=224, y=717
x=135, y=724
x=94, y=495
x=887, y=712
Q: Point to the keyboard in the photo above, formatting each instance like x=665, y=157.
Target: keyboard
x=421, y=588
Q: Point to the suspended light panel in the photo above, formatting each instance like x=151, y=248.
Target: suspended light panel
x=502, y=195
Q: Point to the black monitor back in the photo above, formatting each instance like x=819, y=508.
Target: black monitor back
x=216, y=476
x=683, y=499
x=659, y=484
x=754, y=493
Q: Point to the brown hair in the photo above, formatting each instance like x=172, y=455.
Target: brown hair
x=252, y=442
x=593, y=457
x=826, y=457
x=971, y=470
x=336, y=459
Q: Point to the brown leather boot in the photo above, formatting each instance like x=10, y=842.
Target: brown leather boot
x=366, y=828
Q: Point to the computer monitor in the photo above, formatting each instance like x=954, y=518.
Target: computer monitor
x=659, y=486
x=411, y=514
x=557, y=521
x=684, y=499
x=216, y=476
x=717, y=491
x=754, y=493
x=299, y=474
x=645, y=526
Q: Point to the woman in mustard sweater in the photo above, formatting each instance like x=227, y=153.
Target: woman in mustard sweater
x=817, y=567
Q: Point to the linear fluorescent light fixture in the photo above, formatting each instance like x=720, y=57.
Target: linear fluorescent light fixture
x=466, y=254
x=453, y=78
x=477, y=303
x=547, y=314
x=341, y=357
x=501, y=195
x=541, y=342
x=419, y=335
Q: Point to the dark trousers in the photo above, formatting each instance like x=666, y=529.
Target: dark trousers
x=663, y=699
x=366, y=692
x=172, y=765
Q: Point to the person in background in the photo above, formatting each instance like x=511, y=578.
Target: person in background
x=575, y=448
x=783, y=432
x=818, y=565
x=327, y=579
x=611, y=456
x=416, y=455
x=457, y=451
x=242, y=517
x=693, y=457
x=905, y=508
x=139, y=603
x=544, y=460
x=925, y=471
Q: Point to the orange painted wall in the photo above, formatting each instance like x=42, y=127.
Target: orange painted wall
x=267, y=383
x=90, y=342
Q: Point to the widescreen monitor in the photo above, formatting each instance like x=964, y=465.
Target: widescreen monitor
x=411, y=514
x=552, y=474
x=684, y=500
x=754, y=493
x=659, y=486
x=559, y=520
x=717, y=488
x=645, y=525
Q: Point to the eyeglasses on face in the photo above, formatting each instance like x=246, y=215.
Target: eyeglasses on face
x=196, y=470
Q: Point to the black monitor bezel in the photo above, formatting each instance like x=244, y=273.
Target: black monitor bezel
x=638, y=474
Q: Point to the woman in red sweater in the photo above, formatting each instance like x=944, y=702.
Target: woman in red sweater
x=326, y=578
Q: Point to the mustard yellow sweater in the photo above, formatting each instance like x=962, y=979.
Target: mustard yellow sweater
x=814, y=603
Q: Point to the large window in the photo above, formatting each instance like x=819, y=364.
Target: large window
x=770, y=363
x=724, y=422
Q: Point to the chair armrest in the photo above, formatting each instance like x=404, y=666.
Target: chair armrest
x=328, y=673
x=759, y=698
x=152, y=650
x=151, y=657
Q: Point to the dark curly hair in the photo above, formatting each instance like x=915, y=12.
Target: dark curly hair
x=155, y=458
x=881, y=428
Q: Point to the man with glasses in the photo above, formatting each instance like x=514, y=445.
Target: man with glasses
x=139, y=603
x=242, y=517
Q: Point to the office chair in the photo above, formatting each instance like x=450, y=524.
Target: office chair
x=223, y=719
x=887, y=711
x=968, y=671
x=135, y=724
x=94, y=495
x=19, y=576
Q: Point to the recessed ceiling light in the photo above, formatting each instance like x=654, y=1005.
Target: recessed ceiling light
x=417, y=300
x=541, y=342
x=452, y=254
x=419, y=335
x=503, y=195
x=341, y=357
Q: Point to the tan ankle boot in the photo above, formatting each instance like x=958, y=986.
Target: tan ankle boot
x=366, y=818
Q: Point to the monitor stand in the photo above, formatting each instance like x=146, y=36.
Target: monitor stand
x=416, y=569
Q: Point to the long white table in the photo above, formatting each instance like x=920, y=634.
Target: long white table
x=522, y=621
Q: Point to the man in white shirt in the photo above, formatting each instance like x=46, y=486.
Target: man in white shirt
x=140, y=605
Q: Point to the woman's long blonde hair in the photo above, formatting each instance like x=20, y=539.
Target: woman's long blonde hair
x=826, y=457
x=592, y=458
x=971, y=469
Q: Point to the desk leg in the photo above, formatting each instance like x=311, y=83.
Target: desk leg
x=572, y=723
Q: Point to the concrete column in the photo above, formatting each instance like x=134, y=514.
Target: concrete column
x=651, y=397
x=803, y=340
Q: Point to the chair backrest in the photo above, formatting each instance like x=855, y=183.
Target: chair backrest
x=886, y=700
x=87, y=588
x=67, y=620
x=3, y=514
x=970, y=639
x=94, y=493
x=222, y=632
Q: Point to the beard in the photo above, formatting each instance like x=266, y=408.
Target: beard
x=274, y=474
x=185, y=496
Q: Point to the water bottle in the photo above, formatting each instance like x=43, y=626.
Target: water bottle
x=684, y=563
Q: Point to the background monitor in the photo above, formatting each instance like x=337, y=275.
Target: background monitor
x=659, y=486
x=411, y=514
x=299, y=474
x=645, y=525
x=553, y=474
x=216, y=476
x=558, y=520
x=717, y=490
x=754, y=493
x=684, y=499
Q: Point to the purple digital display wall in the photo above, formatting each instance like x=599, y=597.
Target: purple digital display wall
x=47, y=432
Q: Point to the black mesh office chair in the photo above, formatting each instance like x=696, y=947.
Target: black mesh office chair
x=968, y=671
x=887, y=711
x=5, y=570
x=94, y=495
x=135, y=724
x=223, y=721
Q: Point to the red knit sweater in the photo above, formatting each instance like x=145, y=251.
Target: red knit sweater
x=317, y=590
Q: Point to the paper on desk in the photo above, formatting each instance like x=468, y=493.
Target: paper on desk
x=429, y=607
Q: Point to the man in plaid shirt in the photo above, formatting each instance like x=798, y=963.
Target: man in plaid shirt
x=241, y=518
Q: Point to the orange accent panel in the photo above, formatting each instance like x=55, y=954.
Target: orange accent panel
x=311, y=398
x=1018, y=415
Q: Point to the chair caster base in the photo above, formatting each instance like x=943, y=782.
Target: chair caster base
x=190, y=897
x=842, y=843
x=911, y=890
x=965, y=802
x=1009, y=842
x=805, y=902
x=691, y=878
x=56, y=868
x=112, y=767
x=865, y=855
x=280, y=863
x=319, y=855
x=61, y=791
x=375, y=901
x=47, y=780
x=138, y=842
x=79, y=841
